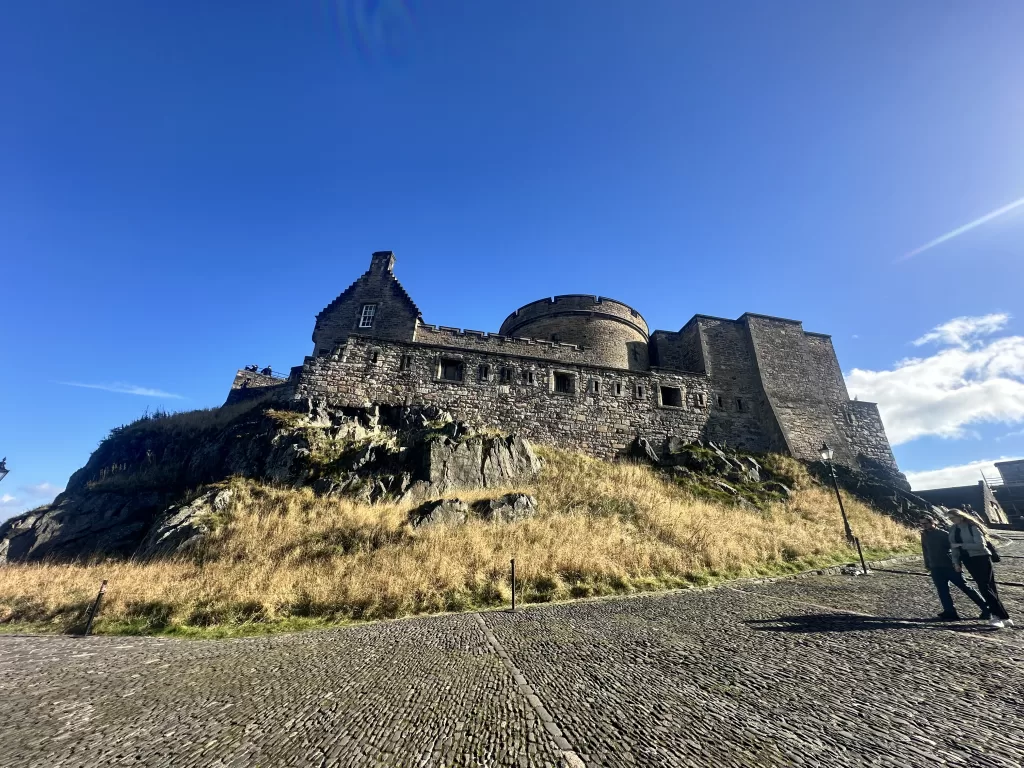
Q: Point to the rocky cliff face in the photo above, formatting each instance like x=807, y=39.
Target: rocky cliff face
x=155, y=487
x=137, y=495
x=711, y=470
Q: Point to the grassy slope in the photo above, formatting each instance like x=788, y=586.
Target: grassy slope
x=285, y=559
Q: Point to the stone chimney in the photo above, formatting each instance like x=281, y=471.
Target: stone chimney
x=382, y=261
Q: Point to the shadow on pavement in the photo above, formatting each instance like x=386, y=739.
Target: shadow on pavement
x=846, y=622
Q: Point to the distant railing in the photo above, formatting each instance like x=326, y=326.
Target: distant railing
x=993, y=482
x=273, y=374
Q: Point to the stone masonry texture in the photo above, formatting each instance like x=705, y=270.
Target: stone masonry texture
x=826, y=670
x=395, y=314
x=616, y=334
x=584, y=372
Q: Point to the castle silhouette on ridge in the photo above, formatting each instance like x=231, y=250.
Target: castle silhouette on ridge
x=584, y=372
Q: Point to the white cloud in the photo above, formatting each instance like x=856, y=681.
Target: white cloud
x=961, y=474
x=961, y=230
x=968, y=382
x=29, y=497
x=125, y=389
x=41, y=489
x=961, y=331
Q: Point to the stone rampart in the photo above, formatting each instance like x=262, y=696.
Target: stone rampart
x=861, y=426
x=799, y=392
x=249, y=385
x=498, y=344
x=683, y=350
x=593, y=409
x=743, y=409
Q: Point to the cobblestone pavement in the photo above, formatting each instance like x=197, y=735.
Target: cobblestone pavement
x=816, y=671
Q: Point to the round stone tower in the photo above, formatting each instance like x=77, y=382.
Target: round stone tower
x=615, y=333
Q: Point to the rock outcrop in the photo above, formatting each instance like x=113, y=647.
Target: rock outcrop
x=128, y=498
x=475, y=462
x=510, y=508
x=717, y=472
x=184, y=527
x=441, y=511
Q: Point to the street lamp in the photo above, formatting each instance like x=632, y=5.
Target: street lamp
x=826, y=455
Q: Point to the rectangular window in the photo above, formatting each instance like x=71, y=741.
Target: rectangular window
x=640, y=392
x=721, y=403
x=506, y=375
x=483, y=373
x=595, y=387
x=528, y=378
x=367, y=315
x=565, y=383
x=374, y=356
x=406, y=363
x=672, y=397
x=617, y=387
x=739, y=403
x=699, y=400
x=451, y=370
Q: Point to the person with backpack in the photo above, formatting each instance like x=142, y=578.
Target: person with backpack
x=939, y=563
x=971, y=549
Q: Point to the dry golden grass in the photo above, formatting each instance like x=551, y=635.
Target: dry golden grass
x=286, y=558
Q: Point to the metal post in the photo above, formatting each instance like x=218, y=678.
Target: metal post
x=513, y=583
x=842, y=509
x=860, y=552
x=95, y=606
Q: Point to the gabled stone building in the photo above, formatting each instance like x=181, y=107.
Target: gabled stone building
x=585, y=372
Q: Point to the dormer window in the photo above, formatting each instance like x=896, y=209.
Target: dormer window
x=367, y=315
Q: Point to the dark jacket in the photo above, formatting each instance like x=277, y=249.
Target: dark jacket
x=935, y=546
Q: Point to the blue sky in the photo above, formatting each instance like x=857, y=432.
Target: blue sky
x=183, y=186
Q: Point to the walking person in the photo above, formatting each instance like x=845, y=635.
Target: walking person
x=939, y=563
x=972, y=550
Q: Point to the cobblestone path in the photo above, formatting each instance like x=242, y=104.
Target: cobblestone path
x=817, y=671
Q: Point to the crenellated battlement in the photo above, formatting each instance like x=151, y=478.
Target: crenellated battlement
x=435, y=332
x=574, y=303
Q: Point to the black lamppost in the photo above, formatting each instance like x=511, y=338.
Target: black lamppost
x=826, y=456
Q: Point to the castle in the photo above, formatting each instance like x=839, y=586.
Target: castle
x=585, y=372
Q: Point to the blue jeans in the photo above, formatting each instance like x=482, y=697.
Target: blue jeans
x=943, y=577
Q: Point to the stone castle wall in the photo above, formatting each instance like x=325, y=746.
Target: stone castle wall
x=615, y=334
x=395, y=316
x=486, y=342
x=861, y=425
x=800, y=394
x=729, y=364
x=758, y=382
x=250, y=386
x=603, y=414
x=683, y=350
